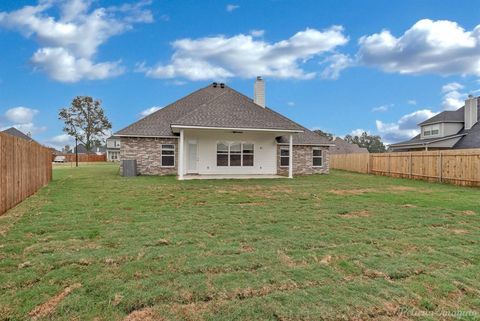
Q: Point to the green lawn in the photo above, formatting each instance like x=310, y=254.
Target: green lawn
x=339, y=246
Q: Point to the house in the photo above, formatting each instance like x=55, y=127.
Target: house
x=98, y=150
x=15, y=132
x=113, y=148
x=458, y=129
x=344, y=147
x=218, y=131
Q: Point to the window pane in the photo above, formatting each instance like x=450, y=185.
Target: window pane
x=167, y=152
x=235, y=148
x=317, y=161
x=222, y=160
x=247, y=160
x=284, y=161
x=235, y=160
x=222, y=147
x=317, y=152
x=168, y=147
x=168, y=160
x=283, y=152
x=248, y=148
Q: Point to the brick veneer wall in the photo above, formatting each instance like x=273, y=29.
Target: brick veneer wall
x=147, y=152
x=303, y=161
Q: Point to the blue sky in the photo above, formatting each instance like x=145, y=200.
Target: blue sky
x=341, y=66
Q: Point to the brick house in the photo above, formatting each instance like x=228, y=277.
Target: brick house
x=218, y=131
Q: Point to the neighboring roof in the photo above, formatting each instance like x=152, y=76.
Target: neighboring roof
x=471, y=138
x=113, y=137
x=217, y=107
x=450, y=116
x=344, y=147
x=15, y=132
x=83, y=150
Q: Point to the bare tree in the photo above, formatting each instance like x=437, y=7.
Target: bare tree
x=85, y=121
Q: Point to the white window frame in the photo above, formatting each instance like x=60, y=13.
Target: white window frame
x=287, y=157
x=228, y=153
x=321, y=157
x=427, y=131
x=172, y=155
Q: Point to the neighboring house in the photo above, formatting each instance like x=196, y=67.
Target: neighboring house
x=457, y=129
x=15, y=132
x=98, y=150
x=218, y=131
x=113, y=149
x=344, y=147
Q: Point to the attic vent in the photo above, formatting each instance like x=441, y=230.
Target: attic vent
x=222, y=85
x=215, y=85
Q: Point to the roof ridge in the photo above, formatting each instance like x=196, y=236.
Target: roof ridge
x=194, y=109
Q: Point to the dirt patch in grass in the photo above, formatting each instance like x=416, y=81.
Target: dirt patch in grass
x=247, y=248
x=251, y=204
x=147, y=314
x=362, y=213
x=374, y=274
x=468, y=212
x=288, y=261
x=409, y=206
x=458, y=231
x=358, y=191
x=326, y=260
x=50, y=306
x=267, y=192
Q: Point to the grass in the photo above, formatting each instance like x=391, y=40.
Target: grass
x=339, y=246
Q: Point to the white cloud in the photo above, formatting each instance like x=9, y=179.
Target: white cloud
x=75, y=35
x=405, y=128
x=452, y=97
x=257, y=32
x=381, y=108
x=336, y=63
x=22, y=118
x=412, y=102
x=20, y=115
x=290, y=103
x=59, y=141
x=438, y=47
x=358, y=132
x=149, y=111
x=64, y=67
x=221, y=57
x=232, y=7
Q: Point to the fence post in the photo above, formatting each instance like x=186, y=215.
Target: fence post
x=410, y=166
x=389, y=168
x=440, y=167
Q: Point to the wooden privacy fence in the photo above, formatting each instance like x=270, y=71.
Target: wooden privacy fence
x=24, y=168
x=85, y=157
x=460, y=167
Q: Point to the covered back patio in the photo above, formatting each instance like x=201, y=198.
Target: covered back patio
x=229, y=153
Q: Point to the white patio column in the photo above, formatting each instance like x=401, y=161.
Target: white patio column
x=180, y=155
x=290, y=157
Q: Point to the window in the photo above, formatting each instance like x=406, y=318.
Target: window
x=168, y=155
x=235, y=154
x=114, y=156
x=222, y=154
x=284, y=156
x=431, y=130
x=247, y=152
x=317, y=157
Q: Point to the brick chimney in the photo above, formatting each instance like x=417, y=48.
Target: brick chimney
x=471, y=111
x=259, y=92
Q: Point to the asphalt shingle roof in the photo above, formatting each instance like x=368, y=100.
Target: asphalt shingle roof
x=217, y=107
x=15, y=132
x=344, y=147
x=456, y=116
